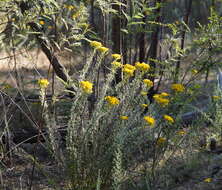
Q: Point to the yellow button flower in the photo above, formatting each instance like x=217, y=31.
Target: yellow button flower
x=142, y=66
x=160, y=100
x=181, y=132
x=95, y=44
x=43, y=83
x=143, y=93
x=41, y=22
x=128, y=72
x=148, y=82
x=144, y=105
x=70, y=7
x=208, y=180
x=216, y=97
x=86, y=86
x=177, y=87
x=123, y=117
x=164, y=94
x=150, y=121
x=128, y=66
x=103, y=49
x=160, y=141
x=168, y=118
x=116, y=64
x=194, y=71
x=112, y=100
x=116, y=56
x=7, y=86
x=128, y=69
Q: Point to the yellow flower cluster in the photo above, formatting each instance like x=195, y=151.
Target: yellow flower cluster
x=164, y=94
x=128, y=69
x=41, y=22
x=123, y=117
x=43, y=83
x=7, y=86
x=116, y=64
x=208, y=180
x=142, y=66
x=194, y=71
x=70, y=7
x=216, y=97
x=112, y=100
x=95, y=44
x=160, y=141
x=177, y=87
x=144, y=105
x=168, y=118
x=116, y=56
x=86, y=86
x=150, y=121
x=161, y=100
x=103, y=49
x=148, y=82
x=98, y=46
x=181, y=132
x=143, y=93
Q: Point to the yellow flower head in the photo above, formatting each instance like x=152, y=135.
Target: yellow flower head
x=103, y=49
x=7, y=86
x=112, y=100
x=41, y=22
x=150, y=121
x=86, y=86
x=43, y=83
x=164, y=94
x=142, y=66
x=194, y=71
x=177, y=87
x=144, y=105
x=143, y=93
x=70, y=7
x=208, y=180
x=148, y=82
x=160, y=100
x=95, y=44
x=76, y=15
x=123, y=117
x=116, y=56
x=216, y=97
x=160, y=141
x=181, y=132
x=129, y=69
x=168, y=118
x=116, y=64
x=128, y=72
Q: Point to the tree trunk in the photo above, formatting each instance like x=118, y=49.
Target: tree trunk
x=116, y=37
x=186, y=21
x=152, y=53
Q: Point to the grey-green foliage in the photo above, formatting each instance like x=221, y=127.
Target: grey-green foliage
x=64, y=26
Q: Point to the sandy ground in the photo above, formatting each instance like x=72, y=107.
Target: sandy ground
x=23, y=59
